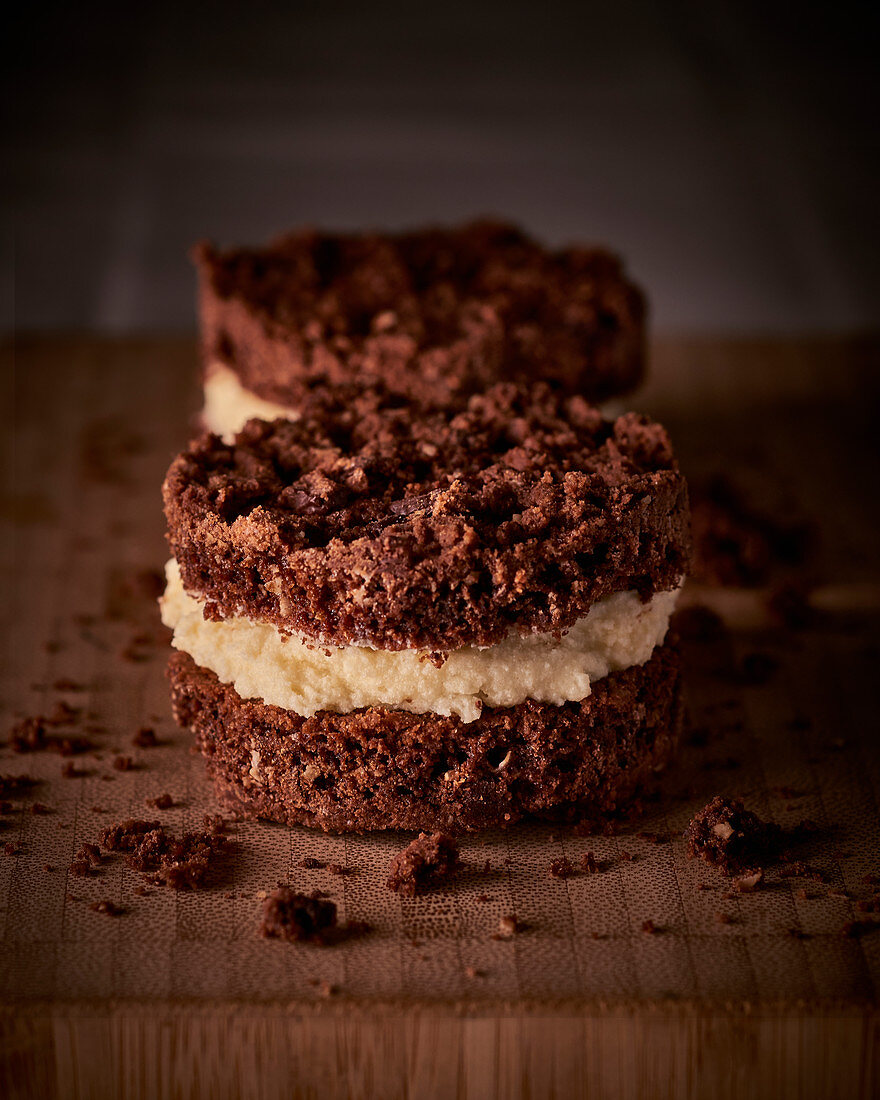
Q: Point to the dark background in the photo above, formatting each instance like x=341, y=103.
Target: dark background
x=729, y=150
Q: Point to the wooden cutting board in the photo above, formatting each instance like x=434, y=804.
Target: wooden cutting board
x=179, y=996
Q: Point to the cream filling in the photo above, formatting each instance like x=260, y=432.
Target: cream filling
x=228, y=405
x=285, y=670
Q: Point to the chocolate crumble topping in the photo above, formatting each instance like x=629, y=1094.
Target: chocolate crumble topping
x=518, y=513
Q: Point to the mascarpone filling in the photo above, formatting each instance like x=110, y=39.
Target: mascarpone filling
x=228, y=405
x=302, y=676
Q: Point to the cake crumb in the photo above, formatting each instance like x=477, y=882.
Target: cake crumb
x=561, y=868
x=297, y=917
x=855, y=929
x=161, y=802
x=145, y=738
x=508, y=927
x=424, y=863
x=179, y=862
x=732, y=838
x=108, y=908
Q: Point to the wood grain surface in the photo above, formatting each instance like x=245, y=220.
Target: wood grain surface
x=179, y=996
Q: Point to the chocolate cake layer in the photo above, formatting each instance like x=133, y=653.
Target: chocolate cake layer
x=375, y=526
x=433, y=316
x=377, y=768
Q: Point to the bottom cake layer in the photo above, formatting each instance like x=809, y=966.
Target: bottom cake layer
x=377, y=768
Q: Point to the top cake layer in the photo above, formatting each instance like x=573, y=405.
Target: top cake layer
x=434, y=316
x=363, y=524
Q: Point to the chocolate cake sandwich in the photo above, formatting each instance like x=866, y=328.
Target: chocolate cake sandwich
x=431, y=316
x=437, y=622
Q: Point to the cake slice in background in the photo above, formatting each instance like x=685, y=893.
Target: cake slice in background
x=431, y=317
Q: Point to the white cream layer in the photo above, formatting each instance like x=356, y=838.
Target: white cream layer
x=228, y=405
x=261, y=663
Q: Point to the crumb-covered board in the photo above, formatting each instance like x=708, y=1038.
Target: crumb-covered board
x=782, y=716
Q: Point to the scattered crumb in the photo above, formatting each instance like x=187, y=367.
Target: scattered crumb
x=650, y=928
x=561, y=868
x=297, y=917
x=161, y=802
x=424, y=863
x=48, y=868
x=107, y=907
x=472, y=972
x=179, y=862
x=507, y=927
x=311, y=863
x=123, y=763
x=731, y=837
x=40, y=808
x=589, y=864
x=11, y=849
x=855, y=929
x=66, y=684
x=145, y=738
x=13, y=786
x=698, y=623
x=723, y=918
x=747, y=884
x=798, y=869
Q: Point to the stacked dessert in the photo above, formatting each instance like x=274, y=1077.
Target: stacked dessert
x=434, y=621
x=431, y=599
x=430, y=317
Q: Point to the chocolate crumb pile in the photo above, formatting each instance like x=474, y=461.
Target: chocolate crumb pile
x=732, y=838
x=426, y=862
x=290, y=916
x=183, y=862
